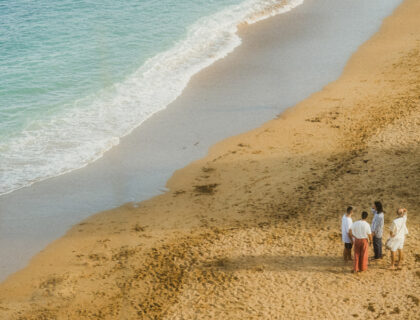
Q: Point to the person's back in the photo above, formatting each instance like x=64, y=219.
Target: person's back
x=361, y=229
x=398, y=231
x=399, y=227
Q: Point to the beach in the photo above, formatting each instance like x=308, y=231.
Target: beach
x=252, y=230
x=281, y=61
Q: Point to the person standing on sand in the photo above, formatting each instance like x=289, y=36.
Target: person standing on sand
x=346, y=223
x=361, y=233
x=398, y=231
x=377, y=228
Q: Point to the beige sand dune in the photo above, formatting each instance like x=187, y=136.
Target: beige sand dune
x=252, y=230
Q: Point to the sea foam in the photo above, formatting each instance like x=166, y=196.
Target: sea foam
x=81, y=134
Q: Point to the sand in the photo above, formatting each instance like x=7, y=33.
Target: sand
x=252, y=231
x=281, y=61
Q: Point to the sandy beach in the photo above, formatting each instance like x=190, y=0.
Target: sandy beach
x=252, y=230
x=305, y=49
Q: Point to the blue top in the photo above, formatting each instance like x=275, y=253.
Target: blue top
x=377, y=223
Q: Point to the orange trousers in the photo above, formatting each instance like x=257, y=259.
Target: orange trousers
x=361, y=254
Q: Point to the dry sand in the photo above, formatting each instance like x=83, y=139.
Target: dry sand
x=252, y=231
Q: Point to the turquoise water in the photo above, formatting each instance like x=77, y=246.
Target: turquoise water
x=75, y=76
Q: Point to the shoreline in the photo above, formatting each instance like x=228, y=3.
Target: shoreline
x=233, y=235
x=191, y=58
x=280, y=62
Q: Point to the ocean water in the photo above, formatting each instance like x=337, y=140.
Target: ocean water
x=76, y=76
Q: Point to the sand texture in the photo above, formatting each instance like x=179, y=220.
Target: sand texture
x=252, y=231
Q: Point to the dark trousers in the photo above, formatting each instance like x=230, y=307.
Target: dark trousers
x=377, y=247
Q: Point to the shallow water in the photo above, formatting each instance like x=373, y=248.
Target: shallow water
x=77, y=76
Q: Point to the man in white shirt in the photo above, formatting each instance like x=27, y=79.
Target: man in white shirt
x=346, y=222
x=361, y=234
x=398, y=232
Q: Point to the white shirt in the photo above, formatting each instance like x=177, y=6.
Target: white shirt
x=346, y=223
x=360, y=229
x=399, y=228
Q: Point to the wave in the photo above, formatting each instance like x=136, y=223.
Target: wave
x=93, y=125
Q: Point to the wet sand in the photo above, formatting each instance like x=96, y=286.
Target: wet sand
x=252, y=230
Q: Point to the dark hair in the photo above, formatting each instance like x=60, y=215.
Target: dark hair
x=364, y=215
x=349, y=209
x=378, y=206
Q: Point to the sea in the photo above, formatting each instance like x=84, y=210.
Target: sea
x=76, y=76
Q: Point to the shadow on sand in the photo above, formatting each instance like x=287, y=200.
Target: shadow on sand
x=280, y=263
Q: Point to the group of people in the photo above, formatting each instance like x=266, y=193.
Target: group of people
x=359, y=235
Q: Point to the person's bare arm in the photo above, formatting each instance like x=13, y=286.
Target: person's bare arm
x=370, y=238
x=351, y=235
x=391, y=230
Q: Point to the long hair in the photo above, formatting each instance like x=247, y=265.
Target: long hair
x=378, y=206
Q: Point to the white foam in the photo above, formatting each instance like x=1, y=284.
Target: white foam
x=84, y=132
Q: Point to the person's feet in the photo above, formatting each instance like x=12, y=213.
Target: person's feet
x=392, y=267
